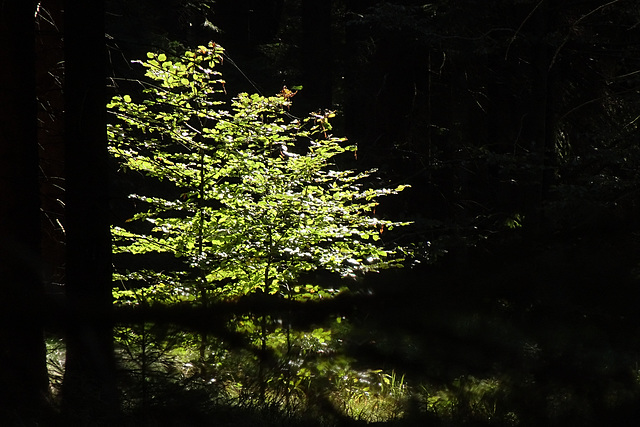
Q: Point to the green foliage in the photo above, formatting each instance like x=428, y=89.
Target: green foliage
x=371, y=396
x=260, y=199
x=252, y=200
x=470, y=398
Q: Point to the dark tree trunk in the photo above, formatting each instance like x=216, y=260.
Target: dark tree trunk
x=89, y=393
x=49, y=76
x=23, y=373
x=541, y=131
x=317, y=53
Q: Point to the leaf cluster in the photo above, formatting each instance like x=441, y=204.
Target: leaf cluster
x=262, y=200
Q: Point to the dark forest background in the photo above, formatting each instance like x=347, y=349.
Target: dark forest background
x=515, y=123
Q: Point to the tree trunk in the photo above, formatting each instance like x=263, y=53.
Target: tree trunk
x=23, y=373
x=89, y=392
x=49, y=76
x=317, y=53
x=542, y=126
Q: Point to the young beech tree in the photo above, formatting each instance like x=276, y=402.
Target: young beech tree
x=259, y=198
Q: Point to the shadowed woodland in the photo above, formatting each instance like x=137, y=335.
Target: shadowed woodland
x=334, y=213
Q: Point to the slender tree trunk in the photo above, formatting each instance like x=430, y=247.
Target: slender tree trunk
x=49, y=76
x=355, y=111
x=23, y=373
x=89, y=392
x=542, y=126
x=317, y=53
